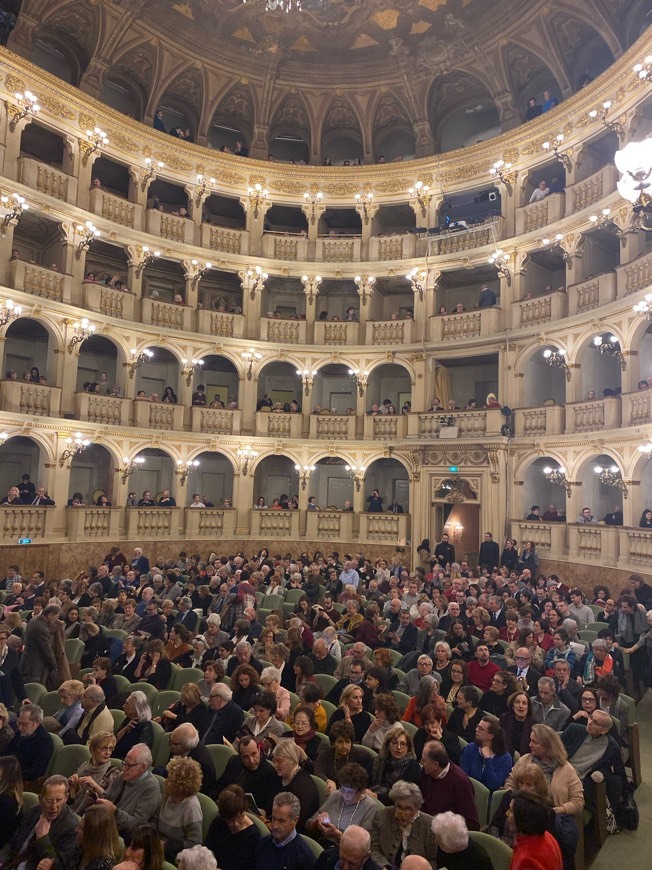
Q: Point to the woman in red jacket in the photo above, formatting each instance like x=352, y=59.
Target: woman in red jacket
x=535, y=848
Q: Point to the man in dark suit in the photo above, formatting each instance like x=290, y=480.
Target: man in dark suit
x=186, y=615
x=223, y=718
x=127, y=661
x=444, y=552
x=41, y=498
x=11, y=682
x=569, y=691
x=32, y=745
x=489, y=556
x=395, y=507
x=403, y=634
x=48, y=830
x=526, y=676
x=37, y=660
x=496, y=611
x=583, y=744
x=184, y=742
x=253, y=772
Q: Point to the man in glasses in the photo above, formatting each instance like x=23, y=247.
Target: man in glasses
x=46, y=830
x=135, y=796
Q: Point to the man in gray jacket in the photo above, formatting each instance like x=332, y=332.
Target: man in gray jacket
x=547, y=709
x=38, y=660
x=135, y=796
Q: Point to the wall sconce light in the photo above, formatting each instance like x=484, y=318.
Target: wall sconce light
x=555, y=245
x=304, y=473
x=183, y=469
x=417, y=278
x=311, y=286
x=605, y=221
x=150, y=171
x=150, y=257
x=307, y=378
x=614, y=126
x=421, y=193
x=562, y=156
x=82, y=330
x=9, y=311
x=26, y=104
x=501, y=172
x=250, y=358
x=645, y=307
x=611, y=477
x=74, y=446
x=455, y=530
x=188, y=368
x=313, y=198
x=610, y=346
x=257, y=196
x=644, y=448
x=246, y=455
x=500, y=260
x=88, y=233
x=557, y=359
x=97, y=139
x=634, y=162
x=130, y=466
x=5, y=435
x=200, y=271
x=356, y=473
x=361, y=379
x=137, y=359
x=365, y=285
x=365, y=200
x=557, y=476
x=642, y=70
x=257, y=278
x=16, y=205
x=204, y=185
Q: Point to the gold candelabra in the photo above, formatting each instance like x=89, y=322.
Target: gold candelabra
x=9, y=311
x=311, y=286
x=137, y=358
x=88, y=233
x=307, y=377
x=96, y=140
x=556, y=358
x=246, y=455
x=365, y=285
x=150, y=257
x=356, y=473
x=189, y=367
x=26, y=104
x=361, y=378
x=149, y=171
x=304, y=473
x=82, y=330
x=502, y=172
x=130, y=466
x=421, y=192
x=16, y=205
x=313, y=198
x=562, y=156
x=257, y=196
x=73, y=447
x=364, y=200
x=602, y=113
x=250, y=357
x=183, y=469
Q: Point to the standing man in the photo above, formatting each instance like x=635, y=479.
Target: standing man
x=489, y=556
x=38, y=661
x=444, y=552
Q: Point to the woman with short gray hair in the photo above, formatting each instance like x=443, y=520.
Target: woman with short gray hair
x=136, y=727
x=401, y=830
x=455, y=849
x=197, y=858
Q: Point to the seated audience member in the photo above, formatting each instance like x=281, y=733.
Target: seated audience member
x=445, y=786
x=69, y=715
x=283, y=849
x=232, y=836
x=547, y=709
x=127, y=661
x=179, y=819
x=353, y=851
x=351, y=708
x=534, y=844
x=135, y=796
x=144, y=851
x=45, y=830
x=395, y=761
x=251, y=770
x=223, y=717
x=343, y=805
x=93, y=777
x=465, y=717
x=402, y=829
x=331, y=759
x=487, y=759
x=97, y=717
x=517, y=722
x=387, y=715
x=189, y=708
x=136, y=727
x=262, y=722
x=455, y=850
x=287, y=759
x=32, y=745
x=433, y=729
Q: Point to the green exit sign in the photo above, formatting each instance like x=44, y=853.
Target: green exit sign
x=453, y=469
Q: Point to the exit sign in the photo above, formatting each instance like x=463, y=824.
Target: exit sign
x=453, y=469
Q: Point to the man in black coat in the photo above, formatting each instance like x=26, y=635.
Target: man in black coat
x=223, y=717
x=583, y=744
x=11, y=682
x=403, y=634
x=184, y=742
x=489, y=556
x=127, y=662
x=32, y=745
x=186, y=615
x=253, y=772
x=444, y=552
x=37, y=660
x=48, y=830
x=353, y=851
x=526, y=676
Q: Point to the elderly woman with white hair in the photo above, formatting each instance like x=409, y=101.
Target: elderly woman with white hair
x=270, y=681
x=197, y=858
x=455, y=850
x=402, y=829
x=136, y=727
x=213, y=636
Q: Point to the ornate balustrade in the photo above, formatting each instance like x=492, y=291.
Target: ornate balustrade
x=46, y=179
x=213, y=523
x=548, y=538
x=108, y=301
x=397, y=247
x=541, y=309
x=637, y=408
x=170, y=227
x=116, y=209
x=593, y=543
x=150, y=523
x=591, y=416
x=224, y=240
x=102, y=410
x=537, y=215
x=385, y=427
x=166, y=315
x=466, y=240
x=385, y=528
x=271, y=525
x=635, y=548
x=534, y=422
x=92, y=523
x=215, y=421
x=332, y=427
x=334, y=250
x=271, y=425
x=590, y=190
x=157, y=415
x=592, y=293
x=25, y=522
x=330, y=525
x=464, y=424
x=634, y=276
x=282, y=331
x=24, y=398
x=382, y=332
x=338, y=333
x=279, y=246
x=38, y=281
x=470, y=324
x=220, y=324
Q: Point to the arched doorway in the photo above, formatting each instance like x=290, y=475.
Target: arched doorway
x=212, y=479
x=154, y=475
x=455, y=511
x=92, y=473
x=275, y=476
x=20, y=455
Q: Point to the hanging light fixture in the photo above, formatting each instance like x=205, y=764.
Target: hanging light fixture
x=282, y=5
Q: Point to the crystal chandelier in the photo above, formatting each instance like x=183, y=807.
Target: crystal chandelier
x=283, y=5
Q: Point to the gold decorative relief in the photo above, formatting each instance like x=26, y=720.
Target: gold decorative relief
x=86, y=122
x=122, y=142
x=55, y=107
x=14, y=83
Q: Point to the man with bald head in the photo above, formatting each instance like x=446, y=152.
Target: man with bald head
x=184, y=742
x=354, y=852
x=415, y=862
x=323, y=661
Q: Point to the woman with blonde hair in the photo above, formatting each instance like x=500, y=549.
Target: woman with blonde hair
x=93, y=777
x=70, y=713
x=188, y=708
x=6, y=731
x=351, y=709
x=11, y=797
x=179, y=820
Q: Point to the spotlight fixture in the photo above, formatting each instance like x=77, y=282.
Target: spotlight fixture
x=9, y=311
x=313, y=198
x=150, y=171
x=356, y=473
x=130, y=466
x=137, y=358
x=364, y=200
x=15, y=205
x=82, y=330
x=307, y=378
x=556, y=358
x=304, y=473
x=614, y=126
x=311, y=286
x=257, y=278
x=562, y=156
x=610, y=346
x=361, y=379
x=73, y=447
x=421, y=192
x=500, y=260
x=611, y=477
x=557, y=476
x=246, y=455
x=417, y=278
x=257, y=196
x=88, y=233
x=189, y=367
x=97, y=139
x=150, y=257
x=183, y=469
x=204, y=185
x=502, y=172
x=250, y=357
x=26, y=104
x=365, y=285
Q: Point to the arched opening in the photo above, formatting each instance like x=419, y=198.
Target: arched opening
x=154, y=475
x=108, y=263
x=212, y=479
x=392, y=220
x=389, y=387
x=123, y=96
x=589, y=57
x=542, y=384
x=278, y=382
x=331, y=484
x=62, y=59
x=182, y=103
x=600, y=367
x=332, y=390
x=38, y=142
x=289, y=149
x=460, y=382
x=163, y=280
x=232, y=121
x=395, y=144
x=342, y=148
x=529, y=76
x=340, y=222
x=601, y=252
x=461, y=111
x=599, y=476
x=167, y=197
x=459, y=291
x=92, y=473
x=221, y=291
x=274, y=477
x=99, y=365
x=224, y=211
x=455, y=511
x=392, y=299
x=644, y=359
x=284, y=298
x=546, y=272
x=289, y=132
x=21, y=455
x=391, y=479
x=539, y=489
x=28, y=350
x=644, y=491
x=158, y=374
x=114, y=176
x=286, y=219
x=37, y=239
x=220, y=379
x=336, y=297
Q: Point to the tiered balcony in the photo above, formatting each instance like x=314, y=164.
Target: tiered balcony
x=93, y=523
x=397, y=247
x=537, y=215
x=282, y=331
x=103, y=410
x=332, y=427
x=342, y=250
x=339, y=333
x=592, y=416
x=109, y=301
x=634, y=276
x=474, y=237
x=45, y=283
x=470, y=324
x=271, y=525
x=220, y=324
x=215, y=421
x=157, y=415
x=20, y=397
x=637, y=408
x=591, y=190
x=385, y=428
x=465, y=424
x=330, y=525
x=385, y=528
x=46, y=179
x=542, y=309
x=154, y=523
x=166, y=315
x=116, y=209
x=271, y=425
x=635, y=547
x=592, y=293
x=209, y=523
x=392, y=332
x=280, y=246
x=593, y=543
x=224, y=240
x=170, y=227
x=535, y=422
x=36, y=523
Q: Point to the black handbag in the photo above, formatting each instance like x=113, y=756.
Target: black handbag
x=627, y=814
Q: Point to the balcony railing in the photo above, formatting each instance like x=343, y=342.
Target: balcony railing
x=385, y=427
x=108, y=301
x=329, y=525
x=116, y=209
x=634, y=276
x=637, y=408
x=224, y=240
x=220, y=324
x=148, y=523
x=385, y=528
x=282, y=331
x=598, y=414
x=45, y=283
x=166, y=314
x=474, y=237
x=278, y=246
x=592, y=293
x=635, y=547
x=533, y=422
x=539, y=214
x=333, y=427
x=25, y=522
x=213, y=523
x=271, y=425
x=157, y=415
x=268, y=524
x=542, y=309
x=168, y=226
x=396, y=247
x=92, y=523
x=25, y=398
x=548, y=538
x=339, y=250
x=383, y=332
x=338, y=333
x=593, y=543
x=103, y=410
x=590, y=190
x=463, y=424
x=216, y=421
x=46, y=179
